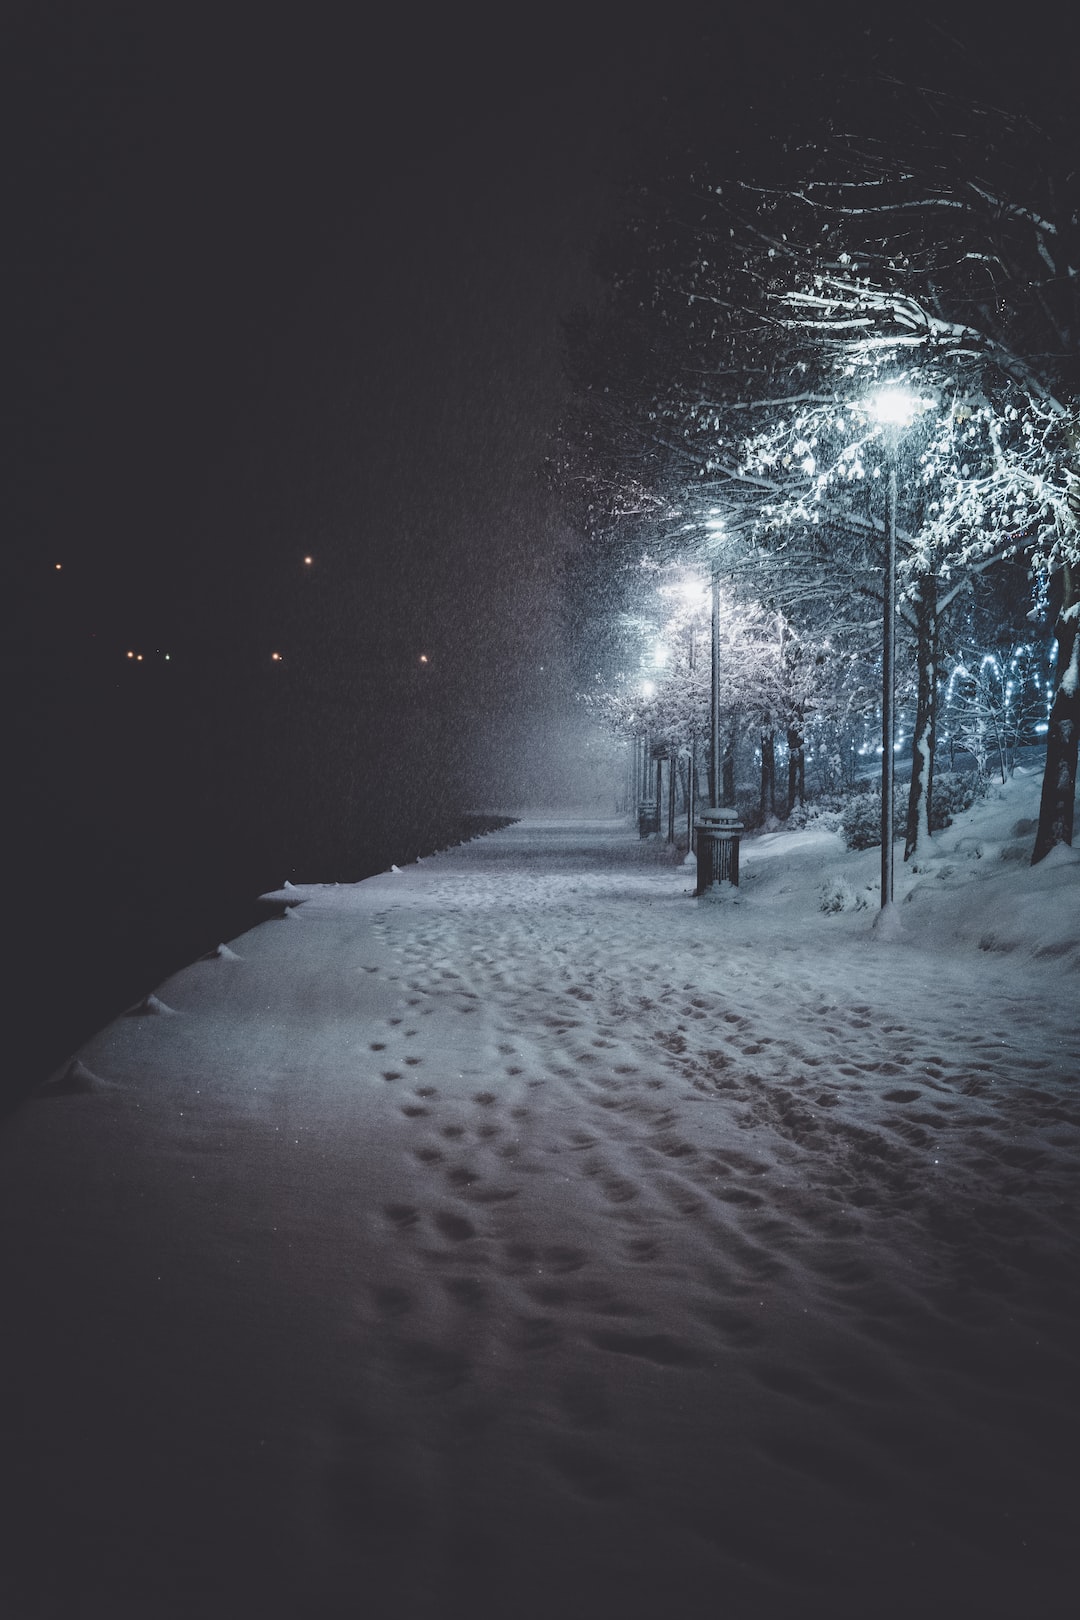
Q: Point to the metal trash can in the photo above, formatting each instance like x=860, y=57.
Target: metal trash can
x=717, y=848
x=648, y=818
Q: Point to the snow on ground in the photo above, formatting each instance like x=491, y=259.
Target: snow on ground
x=515, y=1235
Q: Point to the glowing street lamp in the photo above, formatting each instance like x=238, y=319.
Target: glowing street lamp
x=894, y=408
x=716, y=528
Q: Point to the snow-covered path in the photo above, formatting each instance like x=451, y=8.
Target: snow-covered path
x=516, y=1235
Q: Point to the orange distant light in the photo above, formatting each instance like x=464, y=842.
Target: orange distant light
x=58, y=565
x=276, y=657
x=131, y=655
x=309, y=561
x=423, y=658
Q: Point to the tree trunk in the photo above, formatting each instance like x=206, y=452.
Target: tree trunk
x=768, y=771
x=672, y=772
x=728, y=799
x=1059, y=778
x=925, y=738
x=796, y=768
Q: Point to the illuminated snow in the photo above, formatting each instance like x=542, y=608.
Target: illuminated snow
x=515, y=1235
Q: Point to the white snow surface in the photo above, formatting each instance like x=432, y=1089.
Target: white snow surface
x=516, y=1235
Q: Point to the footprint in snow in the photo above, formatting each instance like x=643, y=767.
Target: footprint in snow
x=454, y=1227
x=391, y=1300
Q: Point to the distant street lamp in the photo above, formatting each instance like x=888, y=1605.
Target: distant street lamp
x=894, y=408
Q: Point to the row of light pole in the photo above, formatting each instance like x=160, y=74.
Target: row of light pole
x=894, y=408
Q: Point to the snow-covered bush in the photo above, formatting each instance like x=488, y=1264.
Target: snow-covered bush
x=824, y=815
x=954, y=792
x=838, y=895
x=860, y=819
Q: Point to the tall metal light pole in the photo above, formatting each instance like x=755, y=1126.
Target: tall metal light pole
x=888, y=682
x=691, y=767
x=894, y=408
x=715, y=782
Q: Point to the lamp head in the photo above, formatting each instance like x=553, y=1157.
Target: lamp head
x=896, y=407
x=690, y=590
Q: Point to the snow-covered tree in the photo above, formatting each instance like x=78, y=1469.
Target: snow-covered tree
x=939, y=241
x=994, y=702
x=823, y=469
x=769, y=681
x=902, y=234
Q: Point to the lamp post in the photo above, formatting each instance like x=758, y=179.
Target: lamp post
x=715, y=782
x=893, y=408
x=691, y=764
x=692, y=593
x=888, y=684
x=715, y=528
x=718, y=828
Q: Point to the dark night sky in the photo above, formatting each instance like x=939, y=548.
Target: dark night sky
x=287, y=283
x=288, y=279
x=283, y=285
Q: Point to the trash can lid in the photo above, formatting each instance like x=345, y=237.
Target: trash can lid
x=717, y=816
